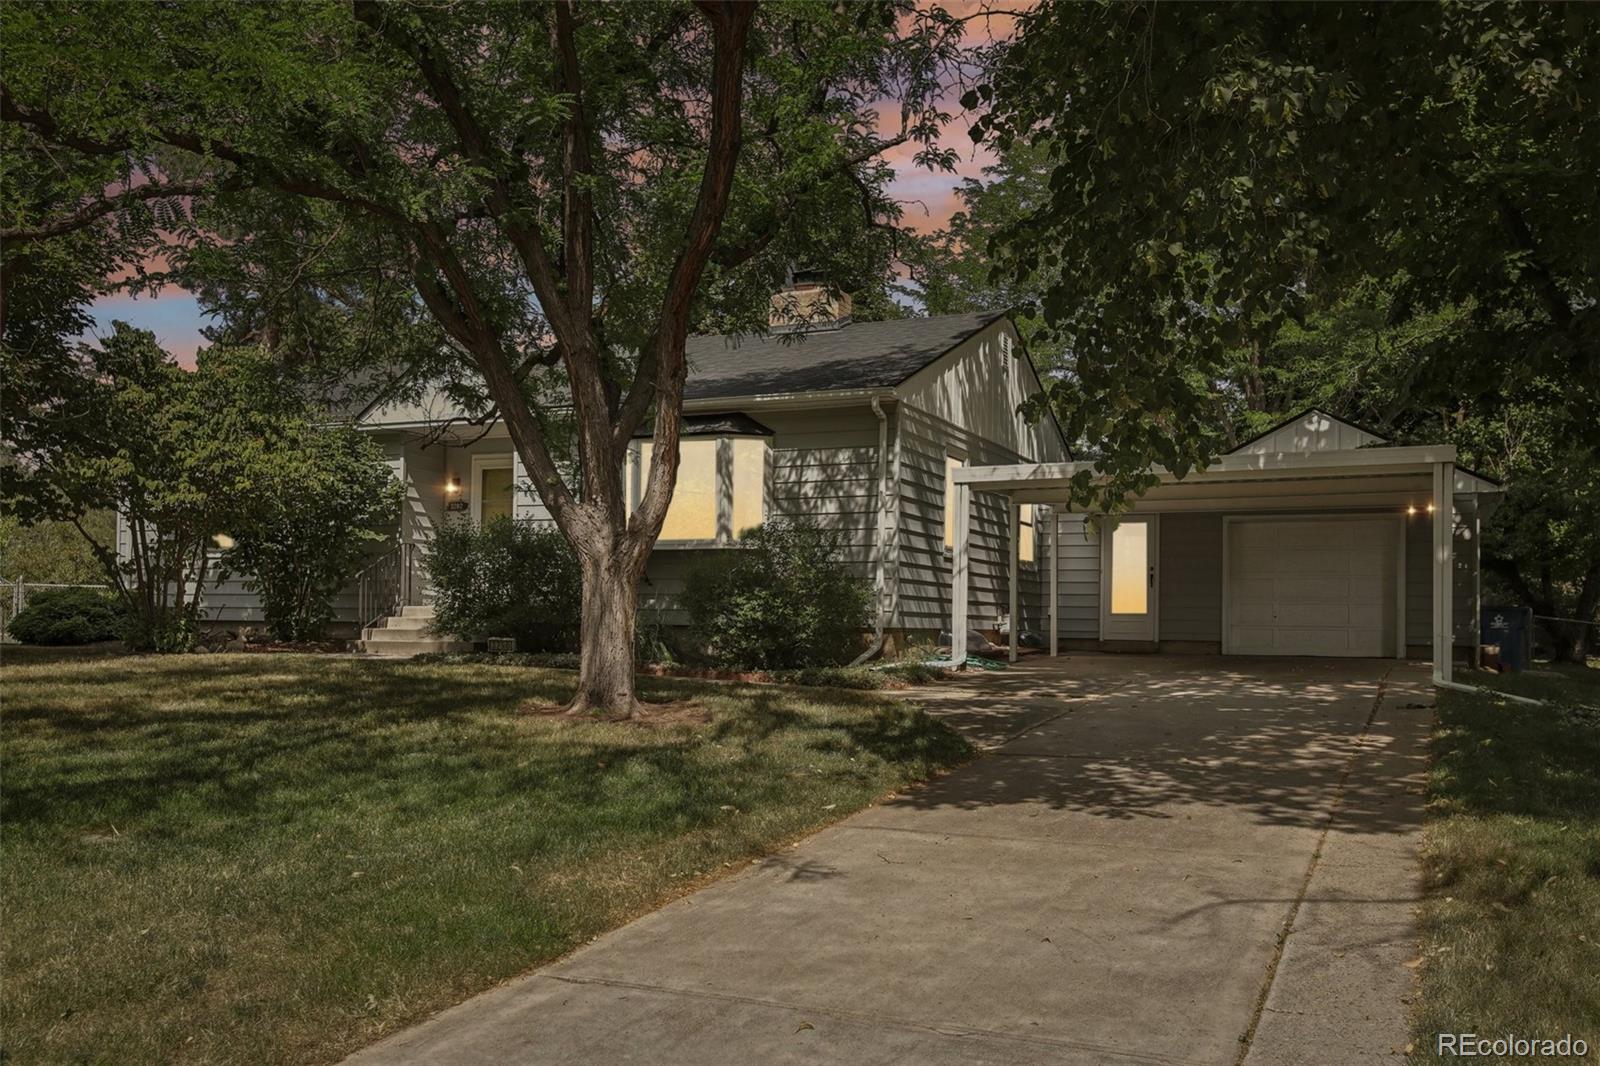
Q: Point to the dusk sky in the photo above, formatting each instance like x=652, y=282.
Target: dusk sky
x=174, y=315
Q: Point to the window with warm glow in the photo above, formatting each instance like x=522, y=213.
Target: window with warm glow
x=952, y=463
x=692, y=514
x=1027, y=539
x=749, y=483
x=1130, y=560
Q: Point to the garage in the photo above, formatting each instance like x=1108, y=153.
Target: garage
x=1317, y=585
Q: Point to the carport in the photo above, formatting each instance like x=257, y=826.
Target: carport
x=1313, y=545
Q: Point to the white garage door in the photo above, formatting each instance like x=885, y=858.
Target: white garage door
x=1317, y=586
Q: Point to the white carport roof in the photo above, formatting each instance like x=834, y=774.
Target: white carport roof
x=1423, y=476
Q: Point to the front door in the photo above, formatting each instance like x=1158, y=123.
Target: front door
x=495, y=490
x=1128, y=579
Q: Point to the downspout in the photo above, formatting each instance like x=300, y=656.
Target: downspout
x=880, y=624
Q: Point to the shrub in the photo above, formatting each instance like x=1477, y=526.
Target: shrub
x=318, y=504
x=506, y=579
x=783, y=599
x=68, y=616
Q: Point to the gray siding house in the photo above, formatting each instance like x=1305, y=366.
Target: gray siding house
x=857, y=426
x=1317, y=538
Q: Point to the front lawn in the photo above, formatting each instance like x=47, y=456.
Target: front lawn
x=1511, y=926
x=280, y=858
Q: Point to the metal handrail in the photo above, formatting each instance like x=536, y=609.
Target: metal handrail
x=385, y=584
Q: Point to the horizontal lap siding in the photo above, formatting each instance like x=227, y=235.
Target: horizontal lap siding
x=823, y=468
x=1080, y=578
x=925, y=571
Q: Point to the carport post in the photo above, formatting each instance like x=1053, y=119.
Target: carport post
x=1011, y=583
x=958, y=590
x=1055, y=581
x=1444, y=479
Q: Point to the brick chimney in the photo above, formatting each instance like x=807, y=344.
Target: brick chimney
x=806, y=305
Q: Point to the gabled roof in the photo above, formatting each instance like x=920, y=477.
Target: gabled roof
x=1315, y=430
x=859, y=355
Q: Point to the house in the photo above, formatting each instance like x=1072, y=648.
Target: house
x=1316, y=538
x=858, y=426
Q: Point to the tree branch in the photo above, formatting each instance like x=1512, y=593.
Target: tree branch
x=731, y=27
x=101, y=206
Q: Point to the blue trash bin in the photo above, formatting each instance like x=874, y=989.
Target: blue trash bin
x=1512, y=629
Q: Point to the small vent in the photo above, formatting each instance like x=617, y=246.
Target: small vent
x=1005, y=346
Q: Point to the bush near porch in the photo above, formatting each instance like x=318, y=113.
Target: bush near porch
x=243, y=858
x=506, y=579
x=1511, y=924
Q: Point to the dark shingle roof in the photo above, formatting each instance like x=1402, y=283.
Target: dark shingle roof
x=861, y=355
x=725, y=424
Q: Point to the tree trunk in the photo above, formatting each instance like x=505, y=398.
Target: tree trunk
x=610, y=609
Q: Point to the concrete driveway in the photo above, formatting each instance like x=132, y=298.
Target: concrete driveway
x=1160, y=860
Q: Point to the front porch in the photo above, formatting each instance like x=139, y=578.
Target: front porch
x=1268, y=554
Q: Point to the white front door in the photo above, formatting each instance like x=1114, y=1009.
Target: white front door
x=493, y=488
x=1314, y=586
x=1128, y=580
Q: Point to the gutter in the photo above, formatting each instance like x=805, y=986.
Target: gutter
x=881, y=588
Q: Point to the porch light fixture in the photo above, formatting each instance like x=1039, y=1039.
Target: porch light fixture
x=1430, y=507
x=452, y=487
x=1411, y=510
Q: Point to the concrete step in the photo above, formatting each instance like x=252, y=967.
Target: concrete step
x=422, y=610
x=404, y=623
x=388, y=633
x=406, y=648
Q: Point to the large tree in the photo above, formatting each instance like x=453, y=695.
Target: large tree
x=1214, y=167
x=561, y=188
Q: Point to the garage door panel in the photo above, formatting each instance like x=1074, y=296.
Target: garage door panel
x=1369, y=615
x=1313, y=590
x=1251, y=536
x=1308, y=641
x=1253, y=614
x=1321, y=561
x=1255, y=590
x=1373, y=590
x=1372, y=562
x=1323, y=586
x=1293, y=615
x=1252, y=640
x=1321, y=535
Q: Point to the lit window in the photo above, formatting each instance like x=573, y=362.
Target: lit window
x=1130, y=593
x=951, y=465
x=695, y=509
x=692, y=514
x=1027, y=540
x=749, y=483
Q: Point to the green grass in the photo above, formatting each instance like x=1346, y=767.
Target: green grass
x=1511, y=925
x=280, y=858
